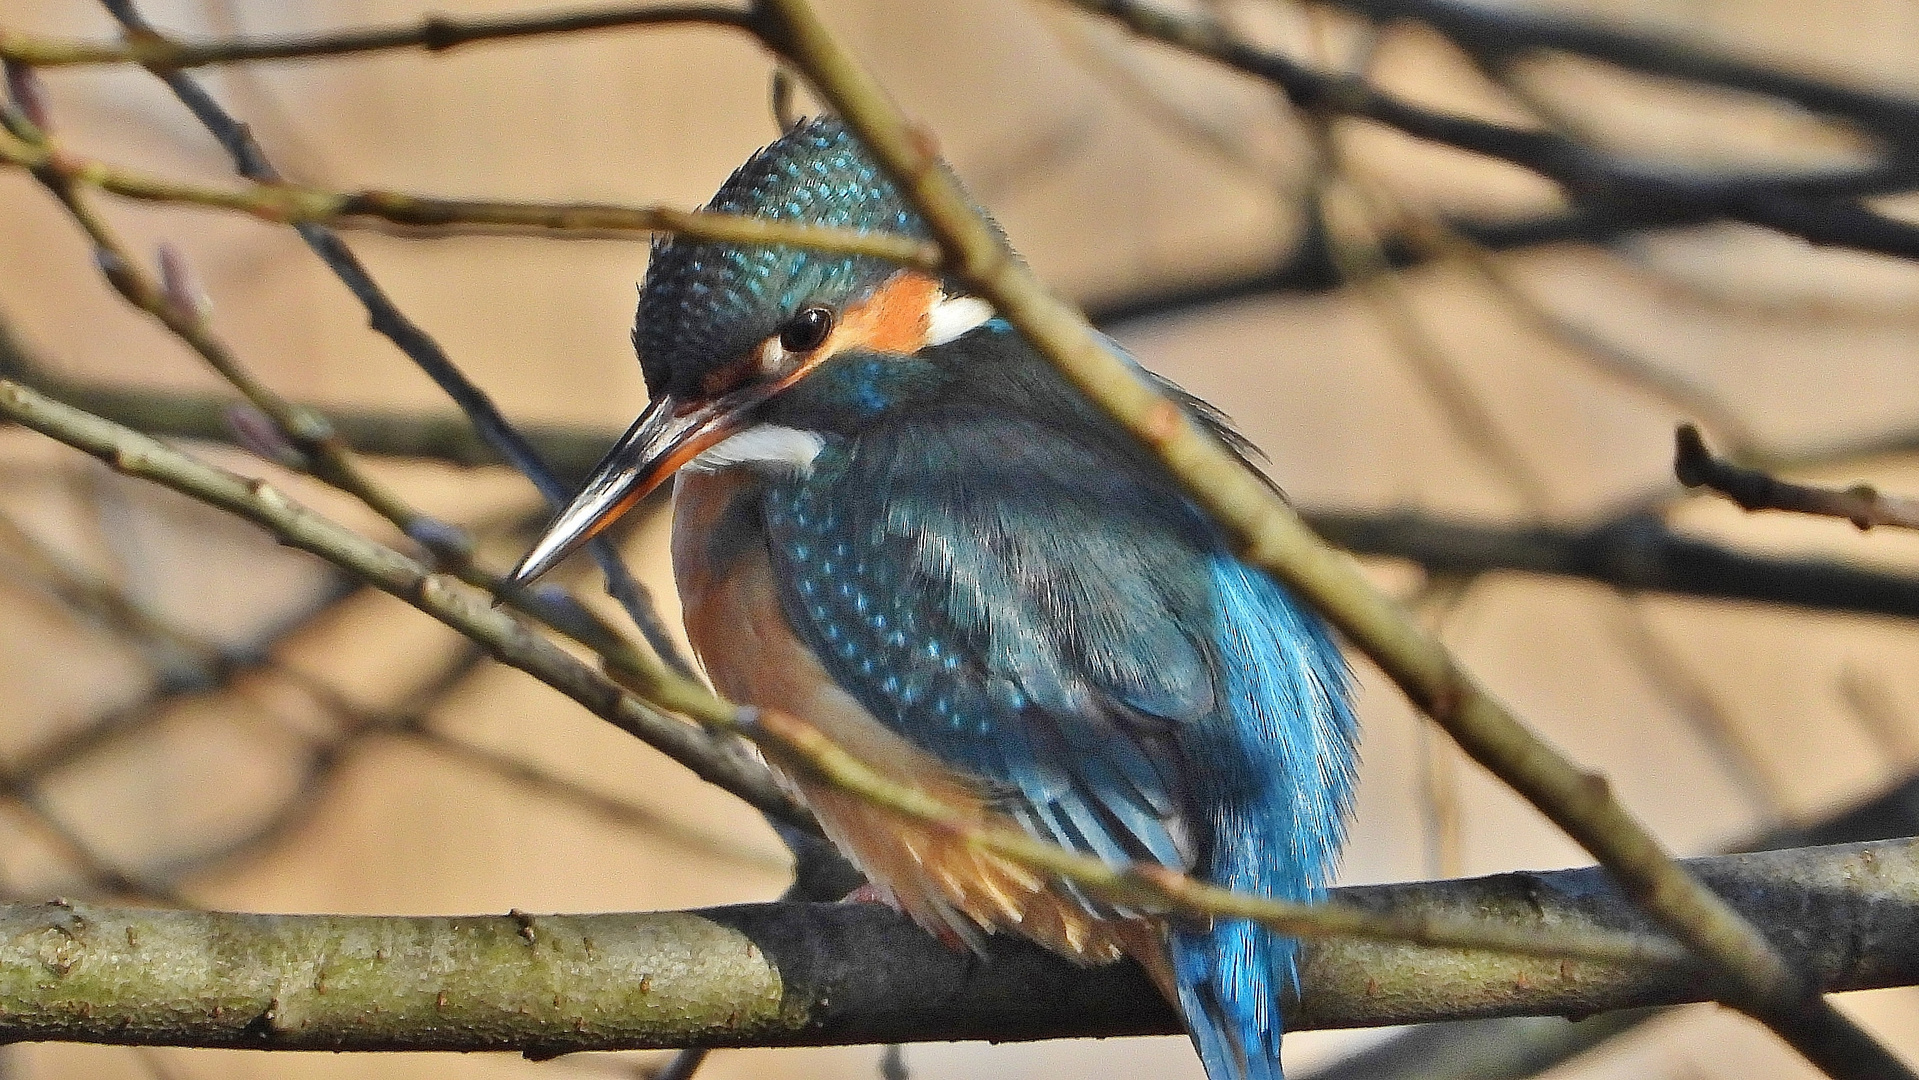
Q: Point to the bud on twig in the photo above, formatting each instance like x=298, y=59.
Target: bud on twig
x=448, y=543
x=29, y=95
x=260, y=436
x=182, y=289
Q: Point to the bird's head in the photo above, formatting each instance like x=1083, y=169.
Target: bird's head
x=728, y=334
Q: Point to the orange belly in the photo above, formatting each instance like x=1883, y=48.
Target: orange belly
x=734, y=620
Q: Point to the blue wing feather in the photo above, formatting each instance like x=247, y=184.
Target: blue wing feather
x=1279, y=795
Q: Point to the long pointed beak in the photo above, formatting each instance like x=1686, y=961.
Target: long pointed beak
x=666, y=436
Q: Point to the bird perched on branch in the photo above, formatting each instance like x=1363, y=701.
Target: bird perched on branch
x=896, y=521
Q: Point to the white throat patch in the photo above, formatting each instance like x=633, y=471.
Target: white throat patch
x=767, y=447
x=953, y=316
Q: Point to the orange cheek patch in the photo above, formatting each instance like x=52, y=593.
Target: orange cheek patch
x=894, y=320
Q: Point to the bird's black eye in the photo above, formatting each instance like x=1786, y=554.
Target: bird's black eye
x=807, y=330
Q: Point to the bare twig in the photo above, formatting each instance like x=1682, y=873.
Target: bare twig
x=1819, y=205
x=1635, y=551
x=385, y=316
x=1502, y=33
x=1608, y=357
x=680, y=1066
x=169, y=301
x=1515, y=1048
x=291, y=204
x=435, y=33
x=1752, y=489
x=93, y=867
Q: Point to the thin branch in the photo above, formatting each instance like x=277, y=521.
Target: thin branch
x=1504, y=32
x=792, y=973
x=1308, y=268
x=436, y=436
x=1689, y=286
x=101, y=599
x=435, y=33
x=1752, y=489
x=388, y=570
x=251, y=162
x=323, y=451
x=293, y=204
x=1361, y=261
x=1818, y=204
x=92, y=867
x=1601, y=354
x=1274, y=539
x=1636, y=552
x=621, y=812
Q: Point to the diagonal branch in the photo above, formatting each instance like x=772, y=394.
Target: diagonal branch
x=1272, y=537
x=385, y=316
x=1513, y=1048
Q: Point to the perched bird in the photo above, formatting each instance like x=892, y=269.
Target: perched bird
x=896, y=521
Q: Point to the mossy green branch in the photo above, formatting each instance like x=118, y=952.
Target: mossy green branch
x=784, y=974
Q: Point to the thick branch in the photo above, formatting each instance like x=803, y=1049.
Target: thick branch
x=1511, y=1048
x=784, y=974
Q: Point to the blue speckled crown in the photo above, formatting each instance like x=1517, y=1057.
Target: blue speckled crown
x=705, y=303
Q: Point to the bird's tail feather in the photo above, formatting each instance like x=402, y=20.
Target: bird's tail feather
x=1226, y=982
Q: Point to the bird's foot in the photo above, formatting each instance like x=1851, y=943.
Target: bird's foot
x=870, y=893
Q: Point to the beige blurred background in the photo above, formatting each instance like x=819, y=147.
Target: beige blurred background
x=1116, y=170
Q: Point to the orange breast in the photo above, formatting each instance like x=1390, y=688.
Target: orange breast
x=734, y=619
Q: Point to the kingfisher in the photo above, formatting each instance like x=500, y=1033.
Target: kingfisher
x=895, y=520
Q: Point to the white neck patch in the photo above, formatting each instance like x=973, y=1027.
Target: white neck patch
x=953, y=316
x=766, y=447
